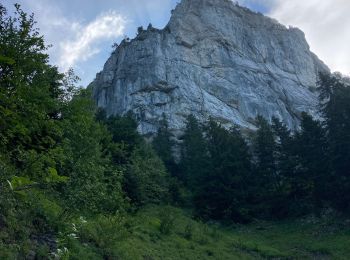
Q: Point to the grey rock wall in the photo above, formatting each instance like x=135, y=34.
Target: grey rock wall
x=213, y=59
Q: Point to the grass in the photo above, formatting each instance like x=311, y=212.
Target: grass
x=144, y=238
x=189, y=239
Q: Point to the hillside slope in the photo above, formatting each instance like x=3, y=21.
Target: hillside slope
x=309, y=238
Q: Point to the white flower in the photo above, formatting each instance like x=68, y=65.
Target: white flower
x=74, y=227
x=73, y=235
x=82, y=220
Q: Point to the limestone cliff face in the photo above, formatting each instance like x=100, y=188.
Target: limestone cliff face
x=213, y=59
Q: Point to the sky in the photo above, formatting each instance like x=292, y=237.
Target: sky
x=82, y=32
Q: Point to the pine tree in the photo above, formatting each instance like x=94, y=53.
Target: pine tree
x=222, y=191
x=335, y=96
x=267, y=177
x=194, y=154
x=163, y=144
x=284, y=149
x=125, y=138
x=265, y=151
x=286, y=164
x=312, y=172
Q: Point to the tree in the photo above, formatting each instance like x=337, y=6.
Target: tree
x=163, y=144
x=284, y=154
x=94, y=182
x=222, y=192
x=146, y=179
x=194, y=153
x=267, y=176
x=312, y=172
x=125, y=138
x=33, y=95
x=335, y=97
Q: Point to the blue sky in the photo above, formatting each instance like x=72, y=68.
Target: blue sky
x=83, y=31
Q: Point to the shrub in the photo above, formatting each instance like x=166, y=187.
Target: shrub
x=167, y=221
x=105, y=232
x=189, y=229
x=146, y=179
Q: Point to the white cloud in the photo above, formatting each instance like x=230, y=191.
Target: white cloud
x=76, y=38
x=326, y=25
x=87, y=38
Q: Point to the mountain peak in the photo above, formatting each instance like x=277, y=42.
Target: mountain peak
x=213, y=59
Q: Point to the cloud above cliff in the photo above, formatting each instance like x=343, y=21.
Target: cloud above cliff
x=82, y=32
x=85, y=43
x=326, y=25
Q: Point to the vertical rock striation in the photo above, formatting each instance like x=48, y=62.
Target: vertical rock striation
x=213, y=59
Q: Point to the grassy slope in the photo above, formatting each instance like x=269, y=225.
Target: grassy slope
x=189, y=239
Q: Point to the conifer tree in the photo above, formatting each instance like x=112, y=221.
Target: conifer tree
x=284, y=155
x=285, y=160
x=335, y=96
x=312, y=171
x=194, y=154
x=163, y=144
x=265, y=151
x=267, y=177
x=223, y=190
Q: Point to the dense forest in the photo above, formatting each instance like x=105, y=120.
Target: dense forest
x=75, y=184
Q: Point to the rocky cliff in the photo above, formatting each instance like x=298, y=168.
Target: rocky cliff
x=213, y=59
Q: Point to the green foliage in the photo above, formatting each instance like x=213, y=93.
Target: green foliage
x=268, y=179
x=265, y=147
x=335, y=95
x=216, y=165
x=189, y=230
x=284, y=150
x=146, y=179
x=125, y=138
x=94, y=182
x=299, y=239
x=163, y=144
x=194, y=153
x=167, y=221
x=7, y=60
x=312, y=174
x=20, y=182
x=222, y=191
x=56, y=159
x=288, y=178
x=53, y=177
x=104, y=232
x=31, y=97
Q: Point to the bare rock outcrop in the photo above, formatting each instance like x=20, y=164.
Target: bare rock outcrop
x=213, y=59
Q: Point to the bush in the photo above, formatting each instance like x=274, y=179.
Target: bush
x=189, y=229
x=146, y=180
x=105, y=232
x=167, y=221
